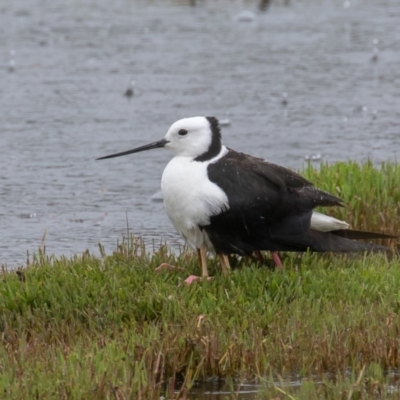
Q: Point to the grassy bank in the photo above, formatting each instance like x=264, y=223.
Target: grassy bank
x=111, y=327
x=372, y=195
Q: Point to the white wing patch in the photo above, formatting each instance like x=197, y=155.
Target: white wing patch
x=324, y=223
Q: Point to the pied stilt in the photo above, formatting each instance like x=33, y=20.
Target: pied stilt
x=226, y=202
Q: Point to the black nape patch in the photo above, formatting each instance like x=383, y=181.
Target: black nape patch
x=215, y=146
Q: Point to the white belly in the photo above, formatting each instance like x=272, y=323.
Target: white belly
x=191, y=199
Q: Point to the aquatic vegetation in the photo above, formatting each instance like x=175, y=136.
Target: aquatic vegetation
x=112, y=327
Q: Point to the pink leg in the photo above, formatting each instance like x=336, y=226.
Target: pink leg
x=168, y=267
x=194, y=278
x=204, y=271
x=277, y=260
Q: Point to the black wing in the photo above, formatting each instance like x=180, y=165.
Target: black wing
x=258, y=177
x=270, y=206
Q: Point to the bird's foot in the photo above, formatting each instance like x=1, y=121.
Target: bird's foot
x=193, y=278
x=168, y=267
x=171, y=268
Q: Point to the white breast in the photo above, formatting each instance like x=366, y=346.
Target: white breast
x=190, y=198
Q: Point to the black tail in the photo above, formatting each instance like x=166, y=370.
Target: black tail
x=342, y=241
x=353, y=234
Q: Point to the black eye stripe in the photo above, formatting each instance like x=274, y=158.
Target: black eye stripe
x=183, y=132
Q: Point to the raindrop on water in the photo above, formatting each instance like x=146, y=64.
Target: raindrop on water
x=313, y=157
x=375, y=52
x=130, y=90
x=11, y=66
x=245, y=16
x=224, y=122
x=284, y=99
x=157, y=197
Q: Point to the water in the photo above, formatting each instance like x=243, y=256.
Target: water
x=224, y=391
x=308, y=79
x=214, y=390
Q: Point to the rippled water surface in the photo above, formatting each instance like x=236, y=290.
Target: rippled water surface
x=223, y=391
x=314, y=78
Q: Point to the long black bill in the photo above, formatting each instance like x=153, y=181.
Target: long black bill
x=154, y=145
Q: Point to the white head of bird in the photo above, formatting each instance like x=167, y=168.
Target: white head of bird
x=187, y=137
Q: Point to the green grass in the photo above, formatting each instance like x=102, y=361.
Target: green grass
x=372, y=195
x=110, y=327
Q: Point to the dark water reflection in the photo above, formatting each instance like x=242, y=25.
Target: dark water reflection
x=66, y=65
